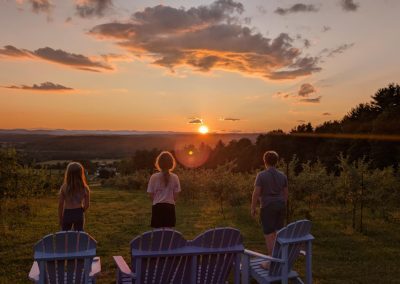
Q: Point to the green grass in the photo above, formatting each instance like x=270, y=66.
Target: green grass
x=340, y=255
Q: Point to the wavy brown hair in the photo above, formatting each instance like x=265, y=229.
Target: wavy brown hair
x=74, y=180
x=165, y=163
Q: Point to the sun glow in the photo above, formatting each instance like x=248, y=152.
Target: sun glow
x=203, y=129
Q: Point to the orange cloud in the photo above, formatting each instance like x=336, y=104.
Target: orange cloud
x=206, y=38
x=46, y=86
x=58, y=56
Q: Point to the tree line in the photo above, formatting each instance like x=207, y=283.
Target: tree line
x=369, y=131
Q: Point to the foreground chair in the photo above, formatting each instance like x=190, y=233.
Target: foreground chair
x=164, y=256
x=287, y=247
x=65, y=257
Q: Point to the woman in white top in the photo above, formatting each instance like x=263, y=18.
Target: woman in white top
x=163, y=189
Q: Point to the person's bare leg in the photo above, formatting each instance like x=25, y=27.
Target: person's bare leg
x=270, y=242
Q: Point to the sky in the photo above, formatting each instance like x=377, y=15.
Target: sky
x=235, y=66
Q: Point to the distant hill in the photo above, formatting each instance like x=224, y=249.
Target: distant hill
x=45, y=145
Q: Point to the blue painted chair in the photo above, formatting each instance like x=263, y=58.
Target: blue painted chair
x=164, y=256
x=289, y=242
x=65, y=257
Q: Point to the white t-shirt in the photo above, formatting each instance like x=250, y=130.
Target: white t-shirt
x=162, y=193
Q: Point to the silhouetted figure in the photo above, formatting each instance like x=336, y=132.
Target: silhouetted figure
x=271, y=190
x=74, y=198
x=163, y=188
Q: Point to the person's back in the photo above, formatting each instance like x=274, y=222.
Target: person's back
x=163, y=188
x=74, y=198
x=163, y=193
x=272, y=183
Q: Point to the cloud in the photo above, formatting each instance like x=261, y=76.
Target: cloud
x=306, y=89
x=296, y=8
x=311, y=100
x=11, y=51
x=230, y=119
x=301, y=121
x=326, y=114
x=90, y=8
x=339, y=50
x=41, y=6
x=46, y=86
x=59, y=56
x=207, y=38
x=349, y=5
x=326, y=28
x=307, y=43
x=194, y=120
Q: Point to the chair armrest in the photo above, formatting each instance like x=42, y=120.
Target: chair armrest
x=122, y=266
x=96, y=267
x=34, y=272
x=263, y=256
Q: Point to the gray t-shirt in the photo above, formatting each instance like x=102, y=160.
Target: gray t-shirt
x=272, y=183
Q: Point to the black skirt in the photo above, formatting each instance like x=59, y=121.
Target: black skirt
x=163, y=215
x=73, y=218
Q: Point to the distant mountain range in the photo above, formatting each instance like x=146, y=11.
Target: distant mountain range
x=56, y=144
x=62, y=132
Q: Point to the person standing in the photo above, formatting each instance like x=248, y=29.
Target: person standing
x=74, y=198
x=163, y=188
x=271, y=191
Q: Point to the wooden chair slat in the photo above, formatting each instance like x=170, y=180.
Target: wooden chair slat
x=60, y=242
x=72, y=240
x=83, y=242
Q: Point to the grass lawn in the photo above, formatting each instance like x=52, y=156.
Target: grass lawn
x=115, y=217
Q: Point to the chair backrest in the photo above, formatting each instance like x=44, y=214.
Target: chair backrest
x=164, y=256
x=294, y=236
x=163, y=263
x=65, y=257
x=214, y=267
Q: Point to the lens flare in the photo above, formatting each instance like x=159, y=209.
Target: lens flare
x=191, y=156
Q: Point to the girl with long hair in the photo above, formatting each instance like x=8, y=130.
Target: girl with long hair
x=74, y=198
x=163, y=188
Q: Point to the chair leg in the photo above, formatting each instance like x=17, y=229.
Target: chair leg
x=245, y=268
x=308, y=263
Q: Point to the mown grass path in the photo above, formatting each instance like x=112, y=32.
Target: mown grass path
x=115, y=217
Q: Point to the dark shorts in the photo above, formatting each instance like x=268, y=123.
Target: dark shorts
x=163, y=215
x=273, y=216
x=73, y=217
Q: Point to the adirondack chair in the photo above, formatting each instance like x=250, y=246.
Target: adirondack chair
x=286, y=250
x=164, y=256
x=65, y=257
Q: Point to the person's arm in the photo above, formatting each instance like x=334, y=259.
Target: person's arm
x=150, y=188
x=86, y=203
x=61, y=200
x=177, y=189
x=254, y=200
x=286, y=194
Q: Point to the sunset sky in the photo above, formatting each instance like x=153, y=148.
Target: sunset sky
x=248, y=66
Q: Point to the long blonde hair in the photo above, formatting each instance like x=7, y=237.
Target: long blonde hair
x=165, y=163
x=74, y=180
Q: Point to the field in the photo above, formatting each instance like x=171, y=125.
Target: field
x=116, y=216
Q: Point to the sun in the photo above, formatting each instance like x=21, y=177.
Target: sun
x=203, y=129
